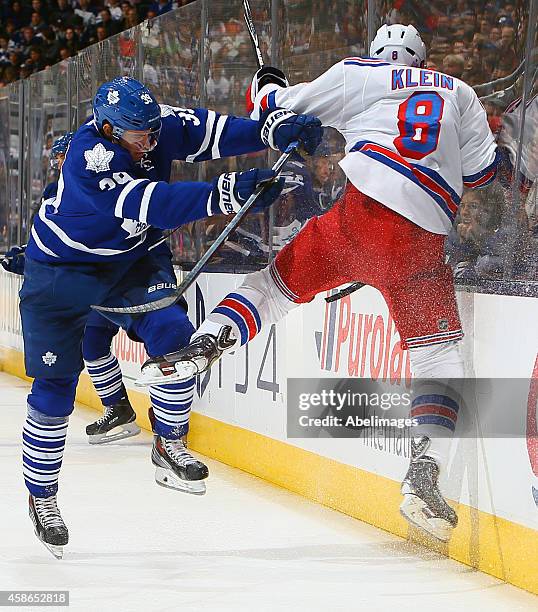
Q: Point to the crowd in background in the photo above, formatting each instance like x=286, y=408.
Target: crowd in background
x=35, y=34
x=475, y=40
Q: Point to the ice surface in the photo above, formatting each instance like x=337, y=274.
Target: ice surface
x=244, y=546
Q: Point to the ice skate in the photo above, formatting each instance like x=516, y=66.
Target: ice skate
x=195, y=358
x=117, y=423
x=176, y=468
x=423, y=503
x=48, y=524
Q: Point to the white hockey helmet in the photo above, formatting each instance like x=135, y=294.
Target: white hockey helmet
x=399, y=44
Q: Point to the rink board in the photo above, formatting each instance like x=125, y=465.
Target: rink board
x=240, y=417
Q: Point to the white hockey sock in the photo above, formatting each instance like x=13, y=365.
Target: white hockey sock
x=255, y=303
x=438, y=371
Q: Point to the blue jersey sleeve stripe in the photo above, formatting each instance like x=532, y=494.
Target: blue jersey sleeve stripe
x=472, y=178
x=118, y=209
x=211, y=116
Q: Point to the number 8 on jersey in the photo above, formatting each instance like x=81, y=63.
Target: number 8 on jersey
x=419, y=124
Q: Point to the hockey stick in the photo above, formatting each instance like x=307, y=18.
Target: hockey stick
x=346, y=291
x=252, y=32
x=195, y=272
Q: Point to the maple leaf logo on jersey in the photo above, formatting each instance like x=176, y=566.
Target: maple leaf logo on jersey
x=49, y=358
x=146, y=98
x=113, y=96
x=98, y=159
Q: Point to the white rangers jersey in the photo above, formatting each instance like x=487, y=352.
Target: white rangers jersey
x=414, y=137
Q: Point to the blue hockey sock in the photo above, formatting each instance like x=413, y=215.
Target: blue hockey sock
x=172, y=406
x=106, y=376
x=42, y=451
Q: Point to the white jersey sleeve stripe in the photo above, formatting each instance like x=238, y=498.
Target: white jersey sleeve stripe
x=118, y=210
x=215, y=152
x=211, y=116
x=82, y=247
x=40, y=245
x=145, y=202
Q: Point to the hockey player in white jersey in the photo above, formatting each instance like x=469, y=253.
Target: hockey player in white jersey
x=414, y=138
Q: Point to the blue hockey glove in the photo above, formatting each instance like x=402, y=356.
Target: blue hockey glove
x=280, y=127
x=13, y=260
x=232, y=189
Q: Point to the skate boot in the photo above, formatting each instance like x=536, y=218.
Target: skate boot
x=195, y=358
x=117, y=422
x=423, y=504
x=48, y=524
x=176, y=468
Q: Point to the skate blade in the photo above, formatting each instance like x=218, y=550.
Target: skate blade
x=185, y=370
x=127, y=431
x=166, y=478
x=56, y=551
x=412, y=509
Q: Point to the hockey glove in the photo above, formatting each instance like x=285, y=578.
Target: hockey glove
x=264, y=76
x=13, y=260
x=280, y=127
x=232, y=189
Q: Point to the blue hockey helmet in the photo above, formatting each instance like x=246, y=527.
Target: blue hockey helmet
x=59, y=147
x=127, y=106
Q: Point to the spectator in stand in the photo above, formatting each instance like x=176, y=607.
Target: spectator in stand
x=65, y=53
x=131, y=18
x=115, y=9
x=18, y=15
x=218, y=86
x=63, y=16
x=51, y=47
x=4, y=51
x=29, y=40
x=100, y=34
x=454, y=65
x=475, y=246
x=38, y=7
x=161, y=6
x=84, y=11
x=71, y=41
x=37, y=23
x=35, y=59
x=105, y=20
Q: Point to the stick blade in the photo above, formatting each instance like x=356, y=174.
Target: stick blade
x=141, y=308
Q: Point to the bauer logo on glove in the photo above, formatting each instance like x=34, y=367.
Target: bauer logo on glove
x=232, y=189
x=280, y=127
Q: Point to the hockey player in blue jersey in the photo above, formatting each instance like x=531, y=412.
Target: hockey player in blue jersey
x=99, y=241
x=118, y=419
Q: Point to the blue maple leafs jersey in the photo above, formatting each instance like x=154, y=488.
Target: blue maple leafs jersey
x=109, y=208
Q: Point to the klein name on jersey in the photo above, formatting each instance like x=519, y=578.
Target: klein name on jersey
x=403, y=78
